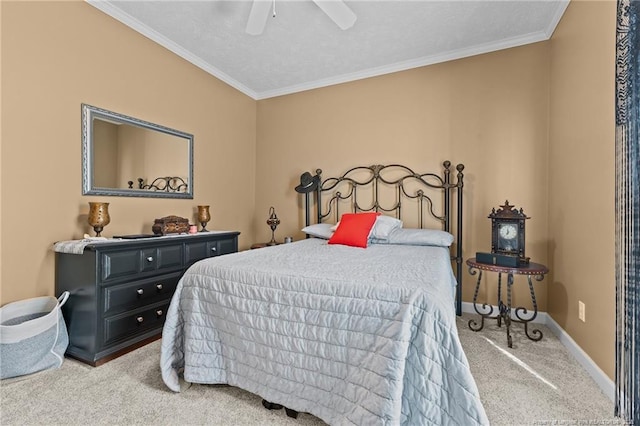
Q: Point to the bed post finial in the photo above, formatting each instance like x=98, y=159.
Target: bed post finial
x=447, y=164
x=460, y=168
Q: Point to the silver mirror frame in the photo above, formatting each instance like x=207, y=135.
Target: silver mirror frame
x=88, y=114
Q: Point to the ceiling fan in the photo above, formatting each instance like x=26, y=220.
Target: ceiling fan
x=337, y=10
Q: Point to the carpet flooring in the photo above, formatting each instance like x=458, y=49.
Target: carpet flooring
x=534, y=383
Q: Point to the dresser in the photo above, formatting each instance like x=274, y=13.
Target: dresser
x=121, y=290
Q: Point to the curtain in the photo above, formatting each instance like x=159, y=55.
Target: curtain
x=628, y=211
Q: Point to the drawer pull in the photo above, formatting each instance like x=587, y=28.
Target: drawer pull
x=140, y=291
x=159, y=287
x=139, y=319
x=213, y=249
x=159, y=312
x=150, y=259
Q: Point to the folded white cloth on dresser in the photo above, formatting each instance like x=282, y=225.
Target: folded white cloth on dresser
x=77, y=246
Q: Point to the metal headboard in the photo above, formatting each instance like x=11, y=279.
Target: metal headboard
x=376, y=180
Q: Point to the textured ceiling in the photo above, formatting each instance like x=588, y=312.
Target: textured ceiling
x=301, y=48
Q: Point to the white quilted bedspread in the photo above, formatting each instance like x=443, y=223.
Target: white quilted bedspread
x=350, y=335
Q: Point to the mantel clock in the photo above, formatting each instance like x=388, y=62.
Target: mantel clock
x=507, y=232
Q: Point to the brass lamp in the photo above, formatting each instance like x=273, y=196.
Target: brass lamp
x=273, y=223
x=98, y=216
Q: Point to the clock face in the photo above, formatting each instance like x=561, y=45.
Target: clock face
x=508, y=233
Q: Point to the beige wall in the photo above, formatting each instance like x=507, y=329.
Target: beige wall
x=532, y=124
x=489, y=112
x=582, y=177
x=57, y=55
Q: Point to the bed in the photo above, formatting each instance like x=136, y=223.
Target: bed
x=351, y=335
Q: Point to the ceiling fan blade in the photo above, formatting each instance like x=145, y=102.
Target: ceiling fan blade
x=258, y=16
x=338, y=11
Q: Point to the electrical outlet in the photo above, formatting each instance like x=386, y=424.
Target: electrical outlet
x=581, y=311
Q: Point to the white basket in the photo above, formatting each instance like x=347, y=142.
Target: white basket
x=33, y=335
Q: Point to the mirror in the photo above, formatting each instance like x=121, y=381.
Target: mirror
x=126, y=156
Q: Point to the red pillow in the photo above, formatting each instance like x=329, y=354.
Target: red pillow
x=354, y=229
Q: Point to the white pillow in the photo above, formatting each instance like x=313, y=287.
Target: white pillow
x=384, y=226
x=381, y=229
x=319, y=230
x=420, y=237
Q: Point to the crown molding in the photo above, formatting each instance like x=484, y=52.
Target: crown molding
x=555, y=20
x=153, y=35
x=406, y=65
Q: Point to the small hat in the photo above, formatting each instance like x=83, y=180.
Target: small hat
x=308, y=183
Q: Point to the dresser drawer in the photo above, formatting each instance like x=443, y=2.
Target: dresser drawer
x=120, y=264
x=125, y=263
x=227, y=246
x=129, y=324
x=201, y=250
x=162, y=258
x=137, y=294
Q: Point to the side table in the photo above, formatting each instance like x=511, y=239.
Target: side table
x=536, y=270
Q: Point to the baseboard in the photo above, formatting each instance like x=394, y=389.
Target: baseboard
x=602, y=380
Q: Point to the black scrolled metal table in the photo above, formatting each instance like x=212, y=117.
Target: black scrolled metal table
x=532, y=270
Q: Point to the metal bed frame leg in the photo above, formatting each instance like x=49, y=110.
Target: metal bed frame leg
x=271, y=406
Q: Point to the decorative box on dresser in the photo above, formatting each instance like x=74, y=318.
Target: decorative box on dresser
x=120, y=290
